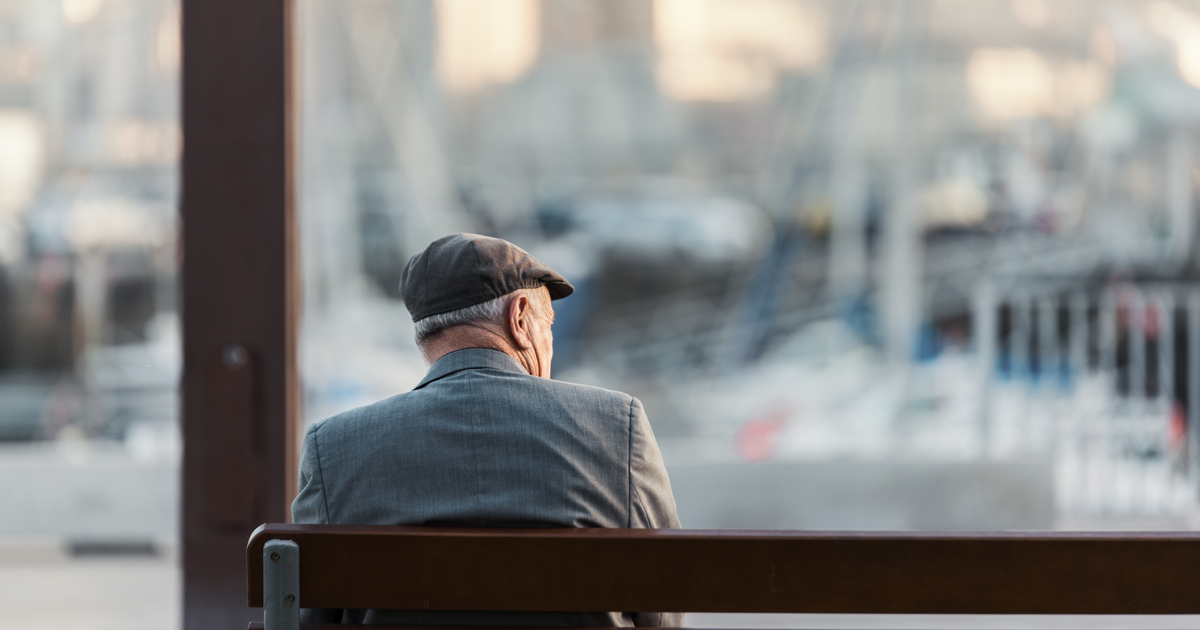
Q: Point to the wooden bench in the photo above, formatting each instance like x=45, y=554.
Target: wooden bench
x=331, y=566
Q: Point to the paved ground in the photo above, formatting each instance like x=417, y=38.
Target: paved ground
x=47, y=593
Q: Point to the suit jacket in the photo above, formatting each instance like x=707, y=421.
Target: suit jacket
x=481, y=443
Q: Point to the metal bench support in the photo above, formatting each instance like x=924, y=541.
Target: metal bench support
x=281, y=585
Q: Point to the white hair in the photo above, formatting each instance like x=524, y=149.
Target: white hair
x=491, y=311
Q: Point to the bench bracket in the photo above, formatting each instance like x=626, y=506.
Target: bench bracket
x=281, y=585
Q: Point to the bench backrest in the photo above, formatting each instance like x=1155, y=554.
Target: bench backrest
x=736, y=571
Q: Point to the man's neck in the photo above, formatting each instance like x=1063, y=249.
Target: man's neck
x=463, y=337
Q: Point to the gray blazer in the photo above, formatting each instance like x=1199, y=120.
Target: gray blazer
x=481, y=443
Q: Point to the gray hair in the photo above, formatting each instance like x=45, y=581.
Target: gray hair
x=491, y=311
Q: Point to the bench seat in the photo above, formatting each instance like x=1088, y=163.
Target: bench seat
x=734, y=571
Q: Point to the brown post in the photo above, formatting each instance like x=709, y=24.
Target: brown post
x=239, y=296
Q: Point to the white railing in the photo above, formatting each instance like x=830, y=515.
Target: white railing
x=1089, y=378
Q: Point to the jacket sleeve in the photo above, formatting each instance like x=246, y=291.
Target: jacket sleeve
x=310, y=507
x=652, y=505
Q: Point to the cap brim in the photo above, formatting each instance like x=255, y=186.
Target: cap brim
x=559, y=289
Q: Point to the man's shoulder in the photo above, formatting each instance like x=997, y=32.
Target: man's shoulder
x=586, y=398
x=378, y=409
x=566, y=388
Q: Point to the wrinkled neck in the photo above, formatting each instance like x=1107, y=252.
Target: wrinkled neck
x=478, y=336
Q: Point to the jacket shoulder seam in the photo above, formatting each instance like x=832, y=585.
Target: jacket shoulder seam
x=629, y=470
x=320, y=472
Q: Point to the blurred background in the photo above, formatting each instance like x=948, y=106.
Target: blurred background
x=873, y=264
x=869, y=264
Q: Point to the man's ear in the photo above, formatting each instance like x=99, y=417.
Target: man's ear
x=520, y=310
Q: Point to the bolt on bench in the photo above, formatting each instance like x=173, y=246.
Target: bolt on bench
x=638, y=570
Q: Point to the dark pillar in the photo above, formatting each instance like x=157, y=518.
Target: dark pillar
x=239, y=295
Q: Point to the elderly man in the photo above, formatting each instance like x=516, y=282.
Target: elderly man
x=486, y=439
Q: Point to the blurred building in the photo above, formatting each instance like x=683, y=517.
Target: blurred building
x=89, y=145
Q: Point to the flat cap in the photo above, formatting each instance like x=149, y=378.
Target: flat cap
x=463, y=270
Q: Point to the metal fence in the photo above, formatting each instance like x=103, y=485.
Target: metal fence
x=1103, y=381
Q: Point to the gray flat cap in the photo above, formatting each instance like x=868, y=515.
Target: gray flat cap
x=463, y=270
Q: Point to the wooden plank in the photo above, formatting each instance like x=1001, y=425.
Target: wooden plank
x=238, y=281
x=258, y=625
x=231, y=403
x=748, y=571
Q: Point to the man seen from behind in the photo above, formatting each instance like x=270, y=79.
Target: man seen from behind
x=486, y=439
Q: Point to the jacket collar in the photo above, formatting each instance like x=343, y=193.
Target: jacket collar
x=470, y=359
